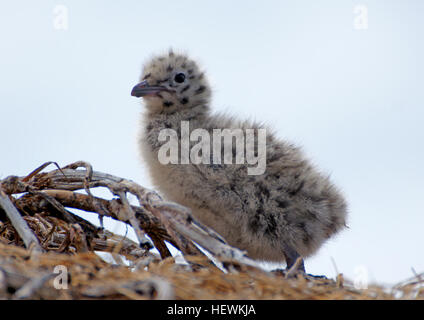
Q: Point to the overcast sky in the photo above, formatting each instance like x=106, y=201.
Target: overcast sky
x=343, y=79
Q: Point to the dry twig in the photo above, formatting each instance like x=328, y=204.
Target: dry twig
x=175, y=222
x=18, y=222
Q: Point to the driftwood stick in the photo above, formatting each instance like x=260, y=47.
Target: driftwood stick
x=67, y=216
x=12, y=278
x=179, y=217
x=88, y=176
x=39, y=169
x=146, y=197
x=98, y=239
x=214, y=245
x=117, y=244
x=31, y=287
x=19, y=223
x=74, y=181
x=112, y=208
x=148, y=222
x=160, y=245
x=178, y=221
x=130, y=216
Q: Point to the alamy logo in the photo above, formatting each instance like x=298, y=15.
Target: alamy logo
x=60, y=17
x=218, y=149
x=360, y=21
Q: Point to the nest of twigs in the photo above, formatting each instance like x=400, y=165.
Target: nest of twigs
x=48, y=252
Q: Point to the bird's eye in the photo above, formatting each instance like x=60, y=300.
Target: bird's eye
x=179, y=77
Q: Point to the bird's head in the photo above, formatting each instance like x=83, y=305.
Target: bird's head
x=172, y=82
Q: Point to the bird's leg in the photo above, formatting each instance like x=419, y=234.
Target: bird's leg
x=292, y=256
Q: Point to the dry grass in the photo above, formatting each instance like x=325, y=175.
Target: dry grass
x=62, y=262
x=90, y=277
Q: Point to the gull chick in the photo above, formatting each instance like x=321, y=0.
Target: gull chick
x=283, y=214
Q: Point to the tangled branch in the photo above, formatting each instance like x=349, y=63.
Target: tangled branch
x=51, y=193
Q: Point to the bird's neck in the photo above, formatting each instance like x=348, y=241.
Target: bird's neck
x=197, y=116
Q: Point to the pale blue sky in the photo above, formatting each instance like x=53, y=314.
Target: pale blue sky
x=352, y=98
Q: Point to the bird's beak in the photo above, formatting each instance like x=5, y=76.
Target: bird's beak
x=143, y=89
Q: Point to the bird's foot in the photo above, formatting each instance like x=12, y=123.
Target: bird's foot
x=295, y=268
x=295, y=264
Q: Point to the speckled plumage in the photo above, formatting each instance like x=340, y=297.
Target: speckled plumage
x=291, y=209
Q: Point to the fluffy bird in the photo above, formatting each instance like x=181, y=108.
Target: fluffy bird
x=284, y=214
